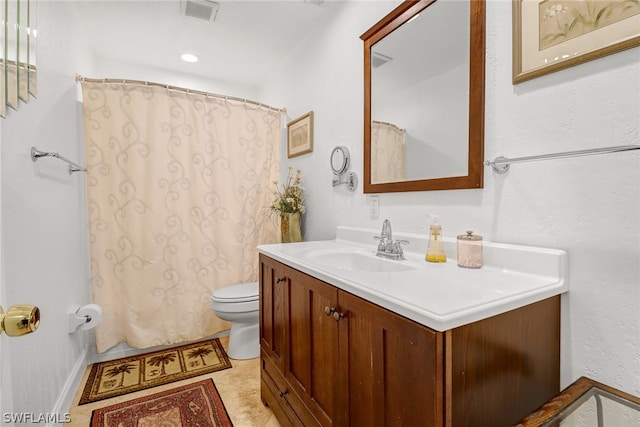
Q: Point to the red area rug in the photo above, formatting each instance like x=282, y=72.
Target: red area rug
x=196, y=404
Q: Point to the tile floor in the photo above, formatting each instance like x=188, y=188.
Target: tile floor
x=239, y=388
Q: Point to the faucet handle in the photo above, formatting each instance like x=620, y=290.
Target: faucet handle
x=397, y=247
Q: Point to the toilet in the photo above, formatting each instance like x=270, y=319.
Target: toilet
x=239, y=305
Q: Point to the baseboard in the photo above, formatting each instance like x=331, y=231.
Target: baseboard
x=70, y=388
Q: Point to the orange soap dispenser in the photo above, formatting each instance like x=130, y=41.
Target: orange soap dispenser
x=435, y=249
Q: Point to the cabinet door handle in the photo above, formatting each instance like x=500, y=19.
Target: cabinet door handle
x=280, y=279
x=283, y=393
x=329, y=310
x=337, y=315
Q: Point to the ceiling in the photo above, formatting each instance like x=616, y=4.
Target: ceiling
x=246, y=41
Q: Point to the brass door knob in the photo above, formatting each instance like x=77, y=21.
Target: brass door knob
x=19, y=320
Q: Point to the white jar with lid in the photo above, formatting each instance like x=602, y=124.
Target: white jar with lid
x=469, y=250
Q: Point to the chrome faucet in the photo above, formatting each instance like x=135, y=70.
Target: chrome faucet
x=386, y=234
x=387, y=247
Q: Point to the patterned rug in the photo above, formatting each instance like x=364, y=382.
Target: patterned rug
x=196, y=404
x=129, y=374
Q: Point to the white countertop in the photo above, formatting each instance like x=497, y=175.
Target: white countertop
x=441, y=296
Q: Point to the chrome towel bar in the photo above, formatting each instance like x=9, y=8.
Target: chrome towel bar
x=501, y=164
x=73, y=167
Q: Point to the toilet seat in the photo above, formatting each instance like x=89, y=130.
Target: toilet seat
x=238, y=293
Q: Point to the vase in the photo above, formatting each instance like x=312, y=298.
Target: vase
x=290, y=227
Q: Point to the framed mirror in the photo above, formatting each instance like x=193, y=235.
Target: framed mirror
x=424, y=97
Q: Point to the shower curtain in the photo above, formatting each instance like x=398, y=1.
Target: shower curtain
x=387, y=153
x=177, y=185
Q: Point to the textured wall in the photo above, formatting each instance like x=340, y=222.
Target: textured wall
x=589, y=206
x=45, y=259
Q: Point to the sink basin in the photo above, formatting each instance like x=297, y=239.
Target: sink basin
x=358, y=260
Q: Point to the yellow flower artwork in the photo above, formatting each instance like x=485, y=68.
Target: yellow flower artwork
x=562, y=20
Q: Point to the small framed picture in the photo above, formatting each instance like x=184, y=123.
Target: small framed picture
x=550, y=35
x=300, y=135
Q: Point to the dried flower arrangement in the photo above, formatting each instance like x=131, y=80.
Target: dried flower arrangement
x=291, y=198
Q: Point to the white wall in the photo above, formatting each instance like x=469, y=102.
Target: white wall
x=112, y=68
x=589, y=206
x=44, y=242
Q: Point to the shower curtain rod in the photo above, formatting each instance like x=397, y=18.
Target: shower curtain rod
x=73, y=166
x=501, y=164
x=80, y=78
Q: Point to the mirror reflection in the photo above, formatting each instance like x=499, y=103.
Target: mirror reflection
x=18, y=80
x=424, y=97
x=23, y=49
x=32, y=34
x=12, y=27
x=419, y=97
x=3, y=56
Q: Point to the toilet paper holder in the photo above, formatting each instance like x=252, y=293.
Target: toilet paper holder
x=75, y=321
x=79, y=320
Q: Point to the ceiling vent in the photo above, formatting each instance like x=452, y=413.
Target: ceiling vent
x=201, y=9
x=378, y=59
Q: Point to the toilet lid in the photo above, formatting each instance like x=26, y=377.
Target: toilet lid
x=240, y=292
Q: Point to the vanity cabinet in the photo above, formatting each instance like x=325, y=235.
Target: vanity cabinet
x=330, y=358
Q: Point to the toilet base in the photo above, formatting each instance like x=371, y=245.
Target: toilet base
x=244, y=341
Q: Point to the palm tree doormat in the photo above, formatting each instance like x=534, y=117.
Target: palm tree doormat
x=195, y=404
x=129, y=374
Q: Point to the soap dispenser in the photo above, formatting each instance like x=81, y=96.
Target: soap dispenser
x=435, y=250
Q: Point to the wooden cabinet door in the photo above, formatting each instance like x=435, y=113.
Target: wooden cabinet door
x=391, y=368
x=504, y=367
x=274, y=288
x=313, y=339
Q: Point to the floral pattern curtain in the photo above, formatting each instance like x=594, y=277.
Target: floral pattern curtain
x=178, y=185
x=387, y=153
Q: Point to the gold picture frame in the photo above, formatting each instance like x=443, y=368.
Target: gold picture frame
x=551, y=35
x=300, y=135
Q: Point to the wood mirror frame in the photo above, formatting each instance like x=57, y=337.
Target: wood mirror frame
x=474, y=178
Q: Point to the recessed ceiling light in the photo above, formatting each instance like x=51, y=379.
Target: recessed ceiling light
x=189, y=57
